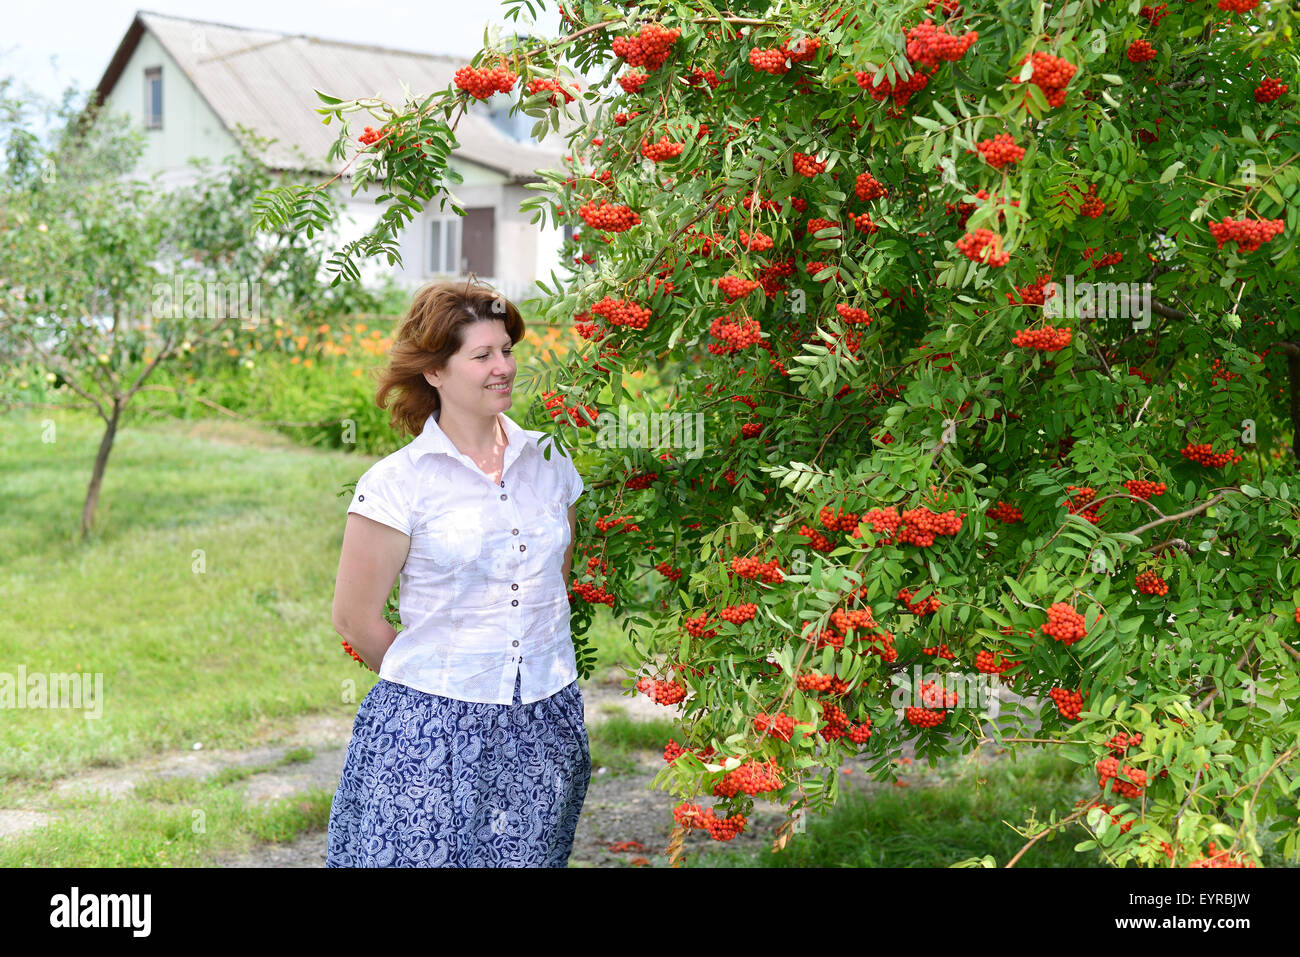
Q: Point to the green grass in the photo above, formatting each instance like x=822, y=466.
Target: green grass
x=937, y=826
x=618, y=742
x=203, y=599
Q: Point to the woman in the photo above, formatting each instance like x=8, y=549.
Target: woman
x=470, y=750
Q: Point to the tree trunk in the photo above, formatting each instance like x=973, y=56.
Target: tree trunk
x=97, y=475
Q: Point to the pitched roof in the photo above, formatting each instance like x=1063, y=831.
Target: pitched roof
x=266, y=80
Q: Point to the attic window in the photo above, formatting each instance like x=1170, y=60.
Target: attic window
x=153, y=98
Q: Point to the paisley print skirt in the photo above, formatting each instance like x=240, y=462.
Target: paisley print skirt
x=430, y=781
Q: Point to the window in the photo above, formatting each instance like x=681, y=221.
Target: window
x=153, y=98
x=444, y=245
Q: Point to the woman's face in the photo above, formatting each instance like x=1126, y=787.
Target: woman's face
x=485, y=359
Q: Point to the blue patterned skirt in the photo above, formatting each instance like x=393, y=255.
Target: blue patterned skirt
x=431, y=781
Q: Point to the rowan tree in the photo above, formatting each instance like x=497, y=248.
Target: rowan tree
x=895, y=256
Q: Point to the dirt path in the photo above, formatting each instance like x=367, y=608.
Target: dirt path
x=620, y=811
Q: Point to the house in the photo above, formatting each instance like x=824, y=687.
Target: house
x=188, y=84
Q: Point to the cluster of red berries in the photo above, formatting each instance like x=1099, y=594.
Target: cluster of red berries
x=974, y=246
x=826, y=684
x=1092, y=205
x=852, y=315
x=620, y=312
x=1121, y=742
x=751, y=777
x=1000, y=150
x=371, y=135
x=921, y=526
x=1003, y=512
x=661, y=692
x=735, y=336
x=1141, y=488
x=809, y=166
x=1078, y=503
x=695, y=627
x=1110, y=259
x=942, y=650
x=1033, y=294
x=1269, y=90
x=1149, y=583
x=867, y=188
x=754, y=569
x=352, y=652
x=849, y=619
x=1155, y=14
x=781, y=725
x=860, y=732
x=816, y=540
x=621, y=523
x=1247, y=234
x=838, y=520
x=988, y=663
x=650, y=49
x=720, y=828
x=1068, y=703
x=1046, y=339
x=555, y=405
x=758, y=242
x=924, y=607
x=540, y=84
x=1050, y=74
x=673, y=751
x=738, y=614
x=901, y=91
x=1222, y=858
x=923, y=717
x=1204, y=454
x=633, y=81
x=638, y=482
x=660, y=150
x=1115, y=818
x=481, y=84
x=733, y=287
x=928, y=45
x=1139, y=51
x=608, y=217
x=936, y=696
x=1111, y=777
x=668, y=571
x=837, y=722
x=1238, y=6
x=817, y=223
x=1063, y=623
x=593, y=594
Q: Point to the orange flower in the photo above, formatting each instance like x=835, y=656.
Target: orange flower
x=294, y=361
x=232, y=352
x=347, y=338
x=306, y=363
x=300, y=342
x=360, y=327
x=357, y=373
x=323, y=327
x=375, y=333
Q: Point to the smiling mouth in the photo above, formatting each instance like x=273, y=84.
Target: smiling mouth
x=503, y=387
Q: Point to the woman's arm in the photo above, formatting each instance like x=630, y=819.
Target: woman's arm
x=573, y=539
x=372, y=555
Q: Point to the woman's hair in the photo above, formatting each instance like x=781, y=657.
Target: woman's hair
x=430, y=333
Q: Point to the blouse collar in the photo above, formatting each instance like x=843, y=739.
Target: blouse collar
x=433, y=440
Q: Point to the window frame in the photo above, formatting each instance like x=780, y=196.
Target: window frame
x=152, y=76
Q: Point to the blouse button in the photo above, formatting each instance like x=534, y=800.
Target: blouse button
x=515, y=643
x=514, y=588
x=361, y=498
x=514, y=531
x=503, y=498
x=515, y=602
x=523, y=548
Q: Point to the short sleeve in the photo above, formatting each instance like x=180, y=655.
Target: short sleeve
x=573, y=482
x=381, y=495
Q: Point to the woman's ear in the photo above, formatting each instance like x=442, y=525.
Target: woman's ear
x=433, y=378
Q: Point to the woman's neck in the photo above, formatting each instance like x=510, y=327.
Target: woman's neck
x=473, y=436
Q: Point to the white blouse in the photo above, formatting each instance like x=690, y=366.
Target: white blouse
x=482, y=596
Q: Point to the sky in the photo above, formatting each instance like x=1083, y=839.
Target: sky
x=49, y=45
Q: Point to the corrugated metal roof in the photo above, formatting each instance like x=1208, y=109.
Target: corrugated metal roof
x=265, y=81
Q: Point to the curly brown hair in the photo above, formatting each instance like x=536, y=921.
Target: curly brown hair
x=430, y=333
